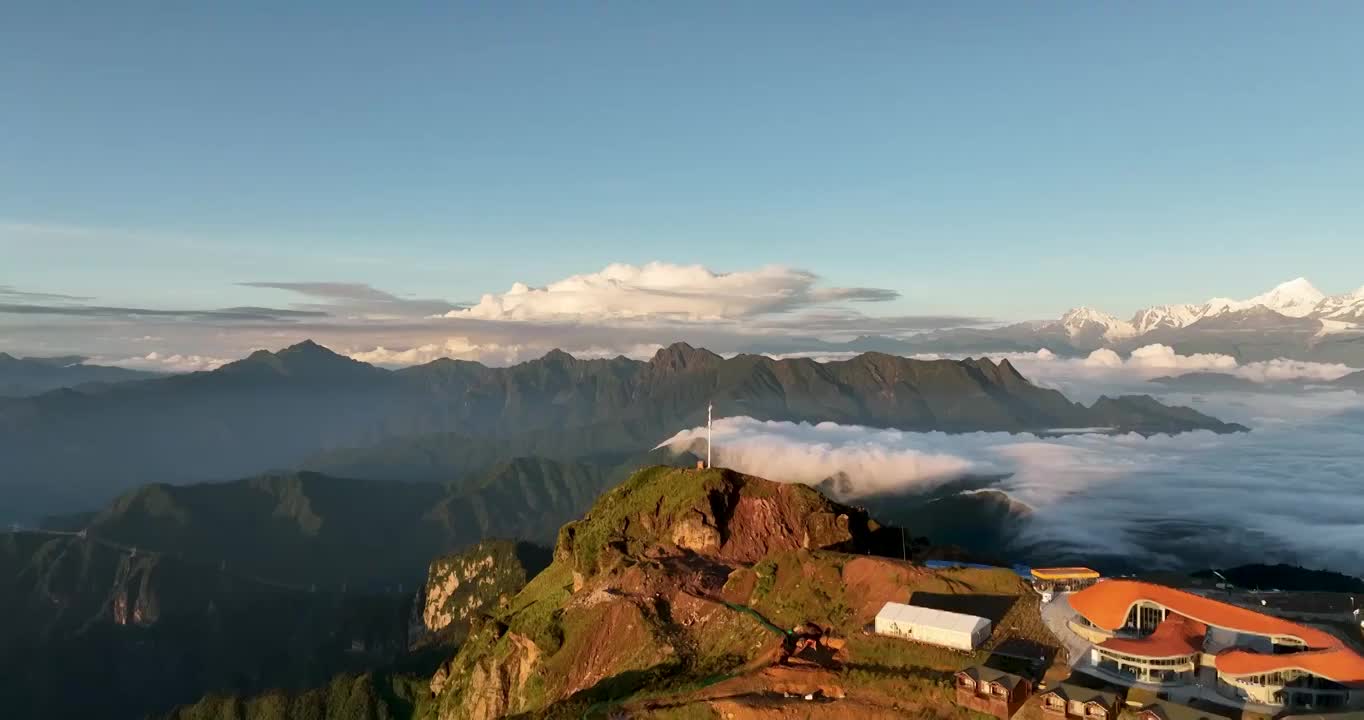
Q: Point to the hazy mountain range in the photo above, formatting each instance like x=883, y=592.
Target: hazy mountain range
x=1223, y=382
x=1292, y=320
x=68, y=448
x=310, y=530
x=21, y=376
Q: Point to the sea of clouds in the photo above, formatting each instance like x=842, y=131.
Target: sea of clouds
x=1288, y=491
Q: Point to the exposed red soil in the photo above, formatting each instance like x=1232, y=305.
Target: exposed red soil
x=779, y=679
x=778, y=693
x=877, y=581
x=597, y=647
x=798, y=709
x=760, y=526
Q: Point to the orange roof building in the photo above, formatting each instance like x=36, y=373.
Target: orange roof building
x=1159, y=635
x=1065, y=573
x=1175, y=637
x=1063, y=579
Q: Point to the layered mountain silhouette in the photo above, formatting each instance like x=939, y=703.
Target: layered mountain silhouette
x=1224, y=382
x=277, y=410
x=24, y=376
x=309, y=531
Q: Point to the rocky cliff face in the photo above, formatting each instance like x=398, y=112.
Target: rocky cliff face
x=636, y=593
x=461, y=586
x=96, y=629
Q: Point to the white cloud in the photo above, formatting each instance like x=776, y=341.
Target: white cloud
x=1287, y=491
x=823, y=356
x=660, y=290
x=1281, y=369
x=1043, y=354
x=816, y=355
x=1162, y=358
x=616, y=309
x=875, y=460
x=171, y=363
x=457, y=348
x=488, y=353
x=1150, y=361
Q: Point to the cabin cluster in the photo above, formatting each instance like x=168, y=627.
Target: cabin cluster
x=992, y=692
x=1002, y=695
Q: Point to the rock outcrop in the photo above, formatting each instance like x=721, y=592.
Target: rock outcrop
x=722, y=513
x=635, y=593
x=461, y=587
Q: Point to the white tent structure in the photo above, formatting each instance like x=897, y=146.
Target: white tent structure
x=937, y=627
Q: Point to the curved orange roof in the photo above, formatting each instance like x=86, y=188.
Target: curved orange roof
x=1338, y=664
x=1175, y=636
x=1107, y=604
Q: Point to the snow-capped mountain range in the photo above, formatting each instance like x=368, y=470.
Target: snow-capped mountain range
x=1295, y=299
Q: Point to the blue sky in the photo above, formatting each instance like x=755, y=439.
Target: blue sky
x=992, y=159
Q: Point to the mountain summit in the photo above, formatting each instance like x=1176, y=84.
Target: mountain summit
x=1295, y=298
x=304, y=360
x=680, y=356
x=1083, y=321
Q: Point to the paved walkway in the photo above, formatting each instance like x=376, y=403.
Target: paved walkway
x=1056, y=614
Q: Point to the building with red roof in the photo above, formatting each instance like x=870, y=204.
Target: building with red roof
x=1159, y=635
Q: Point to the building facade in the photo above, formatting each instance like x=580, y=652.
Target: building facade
x=1067, y=701
x=1156, y=635
x=992, y=692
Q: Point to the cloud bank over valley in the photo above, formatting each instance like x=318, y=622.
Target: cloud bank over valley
x=1287, y=491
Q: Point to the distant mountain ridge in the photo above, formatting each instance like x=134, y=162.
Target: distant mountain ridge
x=24, y=376
x=309, y=530
x=1296, y=298
x=1220, y=382
x=1293, y=319
x=275, y=410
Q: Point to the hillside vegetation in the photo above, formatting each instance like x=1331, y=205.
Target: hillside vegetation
x=310, y=530
x=687, y=593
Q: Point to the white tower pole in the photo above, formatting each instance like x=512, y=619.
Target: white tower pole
x=710, y=433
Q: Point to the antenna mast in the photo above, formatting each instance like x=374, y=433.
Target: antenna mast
x=709, y=433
